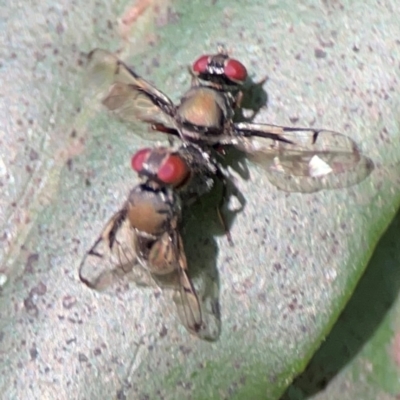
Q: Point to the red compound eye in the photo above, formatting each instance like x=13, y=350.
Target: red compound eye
x=174, y=171
x=201, y=64
x=139, y=158
x=235, y=70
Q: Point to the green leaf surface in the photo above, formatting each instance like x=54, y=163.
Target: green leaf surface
x=360, y=357
x=64, y=170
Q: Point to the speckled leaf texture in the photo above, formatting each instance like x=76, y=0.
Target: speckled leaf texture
x=297, y=259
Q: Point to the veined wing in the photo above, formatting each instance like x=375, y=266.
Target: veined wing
x=190, y=306
x=169, y=248
x=305, y=160
x=111, y=255
x=129, y=97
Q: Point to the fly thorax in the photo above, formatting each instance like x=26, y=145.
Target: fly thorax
x=150, y=211
x=201, y=107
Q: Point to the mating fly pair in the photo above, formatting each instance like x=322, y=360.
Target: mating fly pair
x=146, y=231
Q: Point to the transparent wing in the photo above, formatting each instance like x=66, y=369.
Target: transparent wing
x=111, y=255
x=129, y=97
x=303, y=160
x=202, y=322
x=168, y=266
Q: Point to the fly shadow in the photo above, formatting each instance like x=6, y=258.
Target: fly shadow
x=203, y=221
x=253, y=99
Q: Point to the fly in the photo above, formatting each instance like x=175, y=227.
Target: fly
x=145, y=232
x=295, y=159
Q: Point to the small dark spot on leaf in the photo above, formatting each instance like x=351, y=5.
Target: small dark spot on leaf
x=155, y=63
x=163, y=331
x=201, y=365
x=59, y=28
x=121, y=395
x=33, y=353
x=30, y=263
x=69, y=341
x=319, y=53
x=31, y=307
x=73, y=133
x=237, y=365
x=33, y=155
x=68, y=302
x=97, y=351
x=74, y=321
x=39, y=56
x=185, y=350
x=356, y=48
x=82, y=358
x=277, y=267
x=262, y=297
x=187, y=385
x=40, y=289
